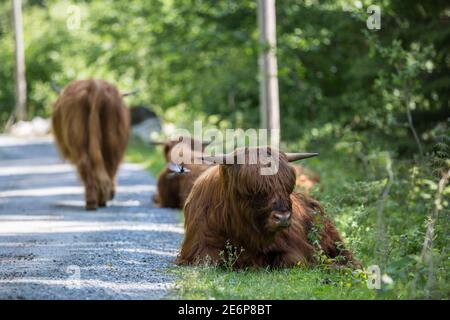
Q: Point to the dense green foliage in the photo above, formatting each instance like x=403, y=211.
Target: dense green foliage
x=345, y=91
x=198, y=58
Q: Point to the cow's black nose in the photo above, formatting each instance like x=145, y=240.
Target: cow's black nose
x=282, y=218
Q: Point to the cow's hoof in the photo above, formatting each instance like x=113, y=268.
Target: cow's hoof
x=102, y=204
x=91, y=206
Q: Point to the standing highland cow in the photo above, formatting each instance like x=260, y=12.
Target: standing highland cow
x=91, y=127
x=260, y=216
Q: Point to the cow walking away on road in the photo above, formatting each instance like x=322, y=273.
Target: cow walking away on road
x=91, y=125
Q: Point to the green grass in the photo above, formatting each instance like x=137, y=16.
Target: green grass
x=150, y=156
x=350, y=190
x=294, y=283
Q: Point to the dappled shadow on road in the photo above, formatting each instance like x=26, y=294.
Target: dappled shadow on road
x=51, y=289
x=121, y=251
x=112, y=264
x=29, y=171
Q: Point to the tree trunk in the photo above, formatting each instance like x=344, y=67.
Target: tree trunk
x=269, y=101
x=21, y=84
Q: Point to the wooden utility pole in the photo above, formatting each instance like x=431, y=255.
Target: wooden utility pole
x=21, y=84
x=269, y=101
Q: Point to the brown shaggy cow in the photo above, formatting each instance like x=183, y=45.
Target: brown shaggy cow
x=305, y=178
x=91, y=127
x=260, y=216
x=174, y=188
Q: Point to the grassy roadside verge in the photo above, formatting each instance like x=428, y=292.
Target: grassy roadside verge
x=295, y=283
x=351, y=192
x=151, y=157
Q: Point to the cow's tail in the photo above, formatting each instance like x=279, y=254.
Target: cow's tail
x=94, y=126
x=102, y=182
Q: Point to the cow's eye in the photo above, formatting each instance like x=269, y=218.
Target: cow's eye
x=258, y=199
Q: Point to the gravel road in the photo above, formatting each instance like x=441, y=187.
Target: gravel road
x=51, y=248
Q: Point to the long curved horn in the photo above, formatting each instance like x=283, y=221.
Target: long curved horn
x=299, y=156
x=126, y=94
x=157, y=143
x=222, y=158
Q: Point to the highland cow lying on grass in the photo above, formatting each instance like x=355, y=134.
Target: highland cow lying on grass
x=91, y=127
x=173, y=188
x=232, y=205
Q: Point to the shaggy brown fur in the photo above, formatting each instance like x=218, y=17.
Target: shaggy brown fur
x=173, y=188
x=235, y=204
x=91, y=127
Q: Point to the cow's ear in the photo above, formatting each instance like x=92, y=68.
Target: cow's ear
x=166, y=149
x=299, y=156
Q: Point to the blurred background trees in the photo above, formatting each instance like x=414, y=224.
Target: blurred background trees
x=198, y=58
